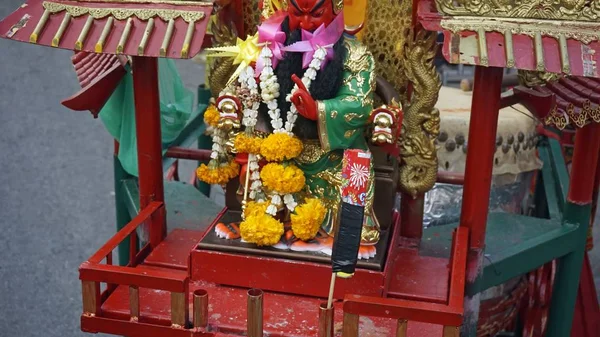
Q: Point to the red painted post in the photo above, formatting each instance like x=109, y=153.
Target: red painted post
x=149, y=144
x=478, y=180
x=583, y=170
x=411, y=210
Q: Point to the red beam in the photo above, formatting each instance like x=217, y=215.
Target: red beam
x=189, y=154
x=136, y=329
x=114, y=242
x=402, y=309
x=149, y=143
x=172, y=280
x=451, y=178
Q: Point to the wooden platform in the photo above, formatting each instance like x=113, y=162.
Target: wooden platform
x=211, y=242
x=284, y=315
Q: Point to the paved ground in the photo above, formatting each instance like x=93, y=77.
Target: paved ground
x=56, y=192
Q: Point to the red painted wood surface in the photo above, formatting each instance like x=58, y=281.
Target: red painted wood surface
x=584, y=163
x=174, y=251
x=424, y=312
x=280, y=275
x=135, y=329
x=284, y=315
x=418, y=278
x=478, y=169
x=186, y=153
x=35, y=10
x=460, y=246
x=99, y=75
x=167, y=280
x=412, y=217
x=121, y=235
x=523, y=47
x=586, y=322
x=149, y=144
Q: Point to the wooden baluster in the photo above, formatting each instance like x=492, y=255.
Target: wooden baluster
x=402, y=327
x=451, y=331
x=91, y=297
x=134, y=302
x=179, y=309
x=350, y=325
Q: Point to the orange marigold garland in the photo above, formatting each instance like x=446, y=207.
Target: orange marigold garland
x=254, y=208
x=215, y=174
x=280, y=146
x=247, y=144
x=211, y=116
x=262, y=230
x=307, y=219
x=282, y=179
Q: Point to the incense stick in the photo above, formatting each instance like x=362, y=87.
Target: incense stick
x=331, y=288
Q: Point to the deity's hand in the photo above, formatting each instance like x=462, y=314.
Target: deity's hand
x=303, y=101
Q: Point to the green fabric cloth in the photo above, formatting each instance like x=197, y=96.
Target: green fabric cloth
x=118, y=114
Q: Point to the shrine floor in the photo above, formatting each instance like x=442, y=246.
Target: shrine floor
x=56, y=190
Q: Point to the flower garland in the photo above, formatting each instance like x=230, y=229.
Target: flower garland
x=308, y=218
x=279, y=181
x=211, y=116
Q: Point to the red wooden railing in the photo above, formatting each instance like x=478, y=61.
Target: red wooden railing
x=449, y=314
x=93, y=272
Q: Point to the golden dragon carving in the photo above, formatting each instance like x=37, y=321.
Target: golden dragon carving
x=421, y=125
x=221, y=68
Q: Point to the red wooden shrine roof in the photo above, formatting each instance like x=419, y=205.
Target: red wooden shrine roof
x=156, y=28
x=577, y=101
x=554, y=39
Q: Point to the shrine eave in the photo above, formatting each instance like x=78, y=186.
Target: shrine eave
x=556, y=46
x=153, y=28
x=577, y=101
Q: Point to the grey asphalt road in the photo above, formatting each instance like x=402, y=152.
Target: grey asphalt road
x=56, y=189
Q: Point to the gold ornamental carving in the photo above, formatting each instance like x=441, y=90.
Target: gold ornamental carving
x=221, y=68
x=575, y=10
x=531, y=78
x=386, y=27
x=165, y=2
x=421, y=125
x=251, y=16
x=585, y=32
x=125, y=13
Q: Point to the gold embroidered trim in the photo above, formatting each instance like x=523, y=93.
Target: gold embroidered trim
x=125, y=13
x=351, y=116
x=311, y=152
x=322, y=124
x=349, y=133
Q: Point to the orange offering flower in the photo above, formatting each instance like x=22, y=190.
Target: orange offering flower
x=307, y=219
x=215, y=174
x=211, y=116
x=280, y=146
x=262, y=230
x=282, y=179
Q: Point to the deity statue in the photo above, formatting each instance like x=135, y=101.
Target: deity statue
x=303, y=92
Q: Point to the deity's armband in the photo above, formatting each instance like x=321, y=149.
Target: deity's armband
x=230, y=112
x=386, y=123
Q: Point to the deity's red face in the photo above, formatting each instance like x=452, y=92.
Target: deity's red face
x=310, y=14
